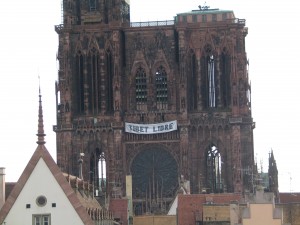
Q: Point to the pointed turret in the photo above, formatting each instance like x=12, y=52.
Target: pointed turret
x=40, y=134
x=273, y=175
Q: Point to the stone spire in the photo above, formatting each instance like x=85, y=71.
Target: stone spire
x=40, y=134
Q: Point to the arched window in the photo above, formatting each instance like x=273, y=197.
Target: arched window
x=208, y=79
x=161, y=84
x=140, y=87
x=214, y=170
x=102, y=172
x=94, y=82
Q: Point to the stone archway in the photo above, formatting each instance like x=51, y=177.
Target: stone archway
x=154, y=180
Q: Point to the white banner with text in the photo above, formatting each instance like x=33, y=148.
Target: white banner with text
x=151, y=128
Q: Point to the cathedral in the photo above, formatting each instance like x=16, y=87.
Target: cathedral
x=164, y=103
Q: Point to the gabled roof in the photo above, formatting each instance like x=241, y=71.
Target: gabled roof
x=42, y=152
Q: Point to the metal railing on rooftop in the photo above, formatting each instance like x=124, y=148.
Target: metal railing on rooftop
x=60, y=27
x=152, y=23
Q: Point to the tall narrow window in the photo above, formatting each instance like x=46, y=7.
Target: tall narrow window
x=204, y=82
x=213, y=163
x=214, y=18
x=93, y=170
x=193, y=83
x=208, y=79
x=224, y=16
x=194, y=18
x=80, y=84
x=109, y=82
x=211, y=82
x=225, y=79
x=93, y=5
x=161, y=85
x=97, y=83
x=94, y=82
x=102, y=172
x=140, y=87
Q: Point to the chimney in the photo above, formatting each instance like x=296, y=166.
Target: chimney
x=2, y=186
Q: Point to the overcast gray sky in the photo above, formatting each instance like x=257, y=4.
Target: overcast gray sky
x=28, y=46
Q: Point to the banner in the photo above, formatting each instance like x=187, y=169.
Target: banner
x=151, y=128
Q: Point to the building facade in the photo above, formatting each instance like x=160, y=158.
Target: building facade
x=167, y=102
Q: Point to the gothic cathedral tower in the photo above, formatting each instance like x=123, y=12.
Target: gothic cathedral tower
x=166, y=102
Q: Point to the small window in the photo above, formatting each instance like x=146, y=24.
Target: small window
x=224, y=16
x=92, y=5
x=183, y=18
x=204, y=19
x=41, y=219
x=214, y=18
x=28, y=206
x=194, y=18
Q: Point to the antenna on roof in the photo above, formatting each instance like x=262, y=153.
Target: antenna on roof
x=40, y=134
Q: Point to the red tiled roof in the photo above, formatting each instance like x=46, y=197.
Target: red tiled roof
x=191, y=206
x=42, y=152
x=289, y=197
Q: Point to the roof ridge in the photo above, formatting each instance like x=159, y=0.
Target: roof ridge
x=42, y=152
